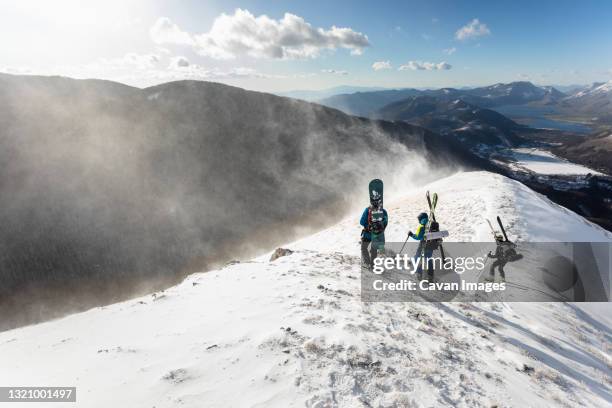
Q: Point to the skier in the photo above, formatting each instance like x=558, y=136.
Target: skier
x=420, y=231
x=374, y=221
x=425, y=252
x=504, y=253
x=500, y=260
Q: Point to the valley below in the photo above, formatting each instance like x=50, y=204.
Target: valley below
x=580, y=183
x=538, y=135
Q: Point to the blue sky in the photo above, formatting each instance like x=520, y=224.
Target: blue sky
x=144, y=42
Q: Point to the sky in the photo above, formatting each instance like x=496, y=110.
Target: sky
x=278, y=46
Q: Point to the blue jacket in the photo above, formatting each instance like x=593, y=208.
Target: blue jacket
x=420, y=233
x=364, y=223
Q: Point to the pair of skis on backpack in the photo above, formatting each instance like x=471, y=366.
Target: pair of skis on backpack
x=496, y=235
x=432, y=228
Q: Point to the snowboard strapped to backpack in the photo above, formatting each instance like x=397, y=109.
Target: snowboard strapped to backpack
x=376, y=219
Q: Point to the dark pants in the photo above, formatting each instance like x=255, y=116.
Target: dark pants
x=429, y=264
x=498, y=264
x=370, y=247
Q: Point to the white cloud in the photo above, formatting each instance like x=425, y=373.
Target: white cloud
x=178, y=62
x=380, y=65
x=425, y=66
x=164, y=50
x=450, y=51
x=473, y=29
x=135, y=68
x=165, y=31
x=131, y=60
x=19, y=71
x=334, y=71
x=242, y=34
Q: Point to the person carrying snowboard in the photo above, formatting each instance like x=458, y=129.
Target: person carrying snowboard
x=374, y=221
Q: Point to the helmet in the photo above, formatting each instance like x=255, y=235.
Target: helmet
x=423, y=218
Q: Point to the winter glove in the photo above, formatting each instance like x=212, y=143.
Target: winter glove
x=410, y=234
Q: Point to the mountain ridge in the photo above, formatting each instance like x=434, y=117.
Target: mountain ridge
x=294, y=330
x=520, y=92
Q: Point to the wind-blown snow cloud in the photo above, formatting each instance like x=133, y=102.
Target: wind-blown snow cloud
x=242, y=34
x=473, y=29
x=450, y=51
x=380, y=65
x=425, y=66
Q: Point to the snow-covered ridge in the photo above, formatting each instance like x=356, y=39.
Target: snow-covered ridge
x=594, y=90
x=607, y=87
x=466, y=200
x=294, y=332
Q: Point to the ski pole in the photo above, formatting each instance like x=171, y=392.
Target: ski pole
x=405, y=242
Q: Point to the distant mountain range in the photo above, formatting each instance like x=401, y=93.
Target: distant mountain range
x=314, y=95
x=471, y=124
x=592, y=103
x=366, y=104
x=595, y=101
x=515, y=93
x=570, y=89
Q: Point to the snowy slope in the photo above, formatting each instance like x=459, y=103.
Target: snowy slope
x=543, y=162
x=293, y=332
x=601, y=88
